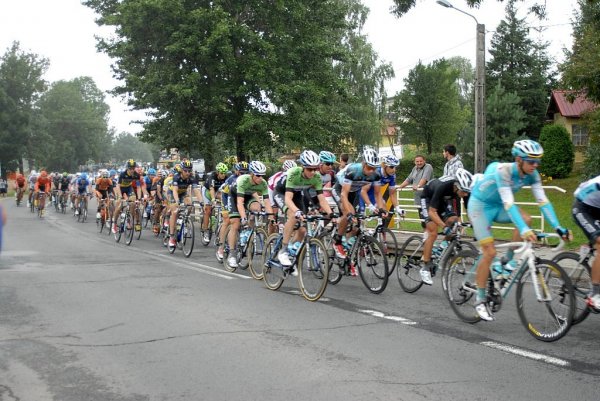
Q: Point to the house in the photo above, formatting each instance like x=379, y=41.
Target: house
x=569, y=114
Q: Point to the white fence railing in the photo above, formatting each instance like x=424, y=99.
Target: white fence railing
x=412, y=210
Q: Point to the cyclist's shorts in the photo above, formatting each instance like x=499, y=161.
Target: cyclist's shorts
x=352, y=198
x=588, y=218
x=103, y=193
x=232, y=205
x=300, y=200
x=445, y=213
x=482, y=215
x=206, y=196
x=172, y=198
x=127, y=191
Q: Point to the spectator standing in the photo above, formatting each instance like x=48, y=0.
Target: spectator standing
x=343, y=162
x=453, y=162
x=3, y=187
x=418, y=177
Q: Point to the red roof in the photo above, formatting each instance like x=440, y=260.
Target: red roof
x=560, y=103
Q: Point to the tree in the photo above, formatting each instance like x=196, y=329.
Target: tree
x=505, y=117
x=581, y=69
x=522, y=67
x=401, y=7
x=127, y=146
x=21, y=84
x=428, y=108
x=559, y=152
x=73, y=128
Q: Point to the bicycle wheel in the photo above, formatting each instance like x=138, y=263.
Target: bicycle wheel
x=128, y=228
x=409, y=264
x=119, y=230
x=547, y=319
x=452, y=250
x=102, y=221
x=84, y=214
x=272, y=272
x=313, y=269
x=187, y=237
x=461, y=288
x=372, y=264
x=79, y=210
x=138, y=223
x=335, y=266
x=226, y=253
x=389, y=243
x=256, y=246
x=580, y=275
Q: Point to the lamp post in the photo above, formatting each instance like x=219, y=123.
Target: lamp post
x=480, y=159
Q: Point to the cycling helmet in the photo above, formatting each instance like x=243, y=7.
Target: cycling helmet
x=84, y=176
x=131, y=163
x=33, y=172
x=390, y=160
x=309, y=158
x=221, y=168
x=257, y=168
x=288, y=164
x=527, y=149
x=243, y=166
x=151, y=171
x=105, y=174
x=186, y=165
x=463, y=179
x=177, y=168
x=64, y=174
x=326, y=157
x=164, y=173
x=112, y=173
x=370, y=157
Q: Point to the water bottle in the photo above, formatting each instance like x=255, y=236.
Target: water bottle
x=497, y=269
x=122, y=217
x=179, y=223
x=351, y=242
x=294, y=248
x=244, y=237
x=436, y=251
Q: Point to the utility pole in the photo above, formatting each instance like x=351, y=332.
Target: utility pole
x=480, y=114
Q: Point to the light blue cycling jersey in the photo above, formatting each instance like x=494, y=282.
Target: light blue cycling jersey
x=496, y=188
x=354, y=175
x=588, y=192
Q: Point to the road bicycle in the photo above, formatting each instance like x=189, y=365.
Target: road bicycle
x=214, y=222
x=184, y=230
x=249, y=246
x=106, y=212
x=545, y=297
x=311, y=262
x=19, y=195
x=125, y=222
x=82, y=208
x=386, y=238
x=410, y=263
x=578, y=267
x=366, y=254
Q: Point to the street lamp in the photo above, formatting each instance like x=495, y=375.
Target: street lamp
x=480, y=159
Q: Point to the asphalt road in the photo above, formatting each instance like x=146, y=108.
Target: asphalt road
x=84, y=318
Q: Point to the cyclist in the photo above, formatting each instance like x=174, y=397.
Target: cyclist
x=43, y=185
x=178, y=193
x=55, y=184
x=437, y=210
x=346, y=192
x=19, y=187
x=492, y=200
x=63, y=188
x=238, y=170
x=248, y=191
x=387, y=171
x=288, y=164
x=124, y=190
x=82, y=186
x=104, y=188
x=31, y=180
x=291, y=196
x=156, y=192
x=586, y=212
x=213, y=180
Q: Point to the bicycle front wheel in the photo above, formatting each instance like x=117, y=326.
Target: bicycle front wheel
x=389, y=243
x=409, y=264
x=187, y=237
x=256, y=246
x=580, y=275
x=313, y=269
x=272, y=272
x=128, y=229
x=546, y=302
x=461, y=288
x=372, y=264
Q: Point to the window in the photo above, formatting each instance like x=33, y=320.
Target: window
x=580, y=135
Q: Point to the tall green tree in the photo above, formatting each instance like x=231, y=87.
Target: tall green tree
x=126, y=146
x=504, y=119
x=428, y=108
x=401, y=7
x=74, y=125
x=521, y=66
x=21, y=84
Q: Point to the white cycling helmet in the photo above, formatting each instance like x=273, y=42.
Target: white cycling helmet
x=464, y=180
x=390, y=160
x=527, y=149
x=288, y=164
x=370, y=157
x=257, y=168
x=309, y=158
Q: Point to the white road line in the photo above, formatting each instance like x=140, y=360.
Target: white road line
x=382, y=315
x=527, y=354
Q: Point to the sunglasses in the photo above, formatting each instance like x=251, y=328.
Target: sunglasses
x=186, y=170
x=328, y=164
x=533, y=162
x=312, y=170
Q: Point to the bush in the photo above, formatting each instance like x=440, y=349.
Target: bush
x=559, y=152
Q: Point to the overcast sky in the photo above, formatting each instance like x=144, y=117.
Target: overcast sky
x=63, y=31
